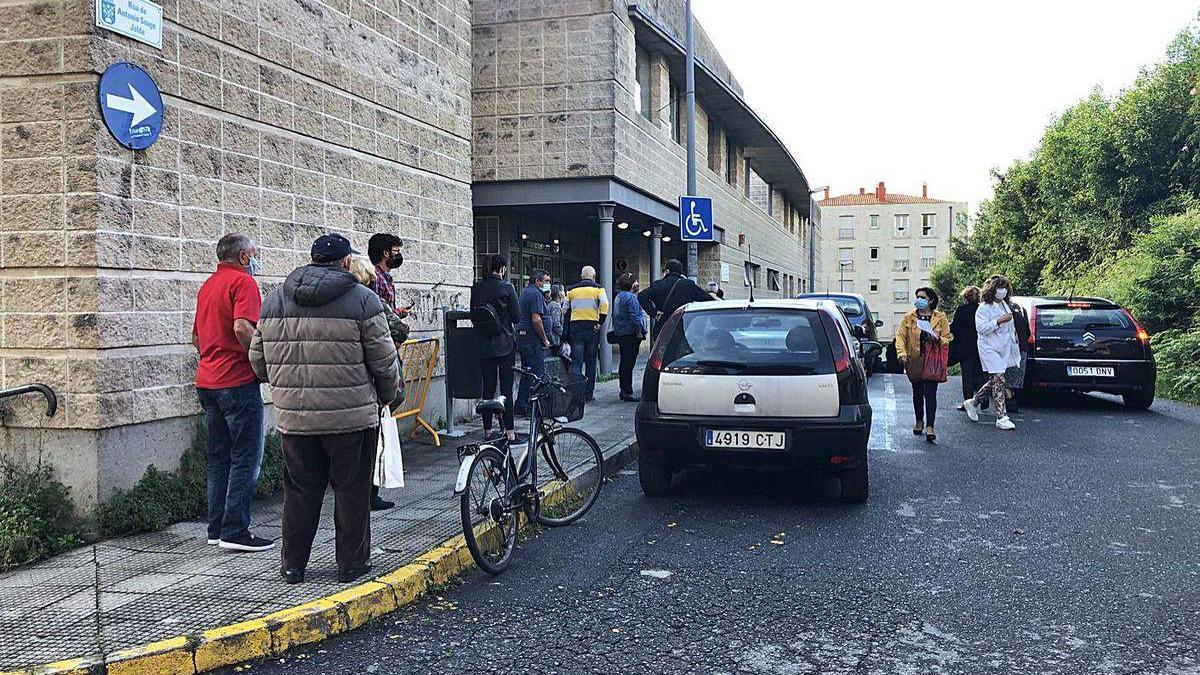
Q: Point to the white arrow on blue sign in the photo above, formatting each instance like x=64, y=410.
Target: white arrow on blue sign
x=131, y=105
x=695, y=219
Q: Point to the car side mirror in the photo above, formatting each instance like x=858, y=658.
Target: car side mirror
x=879, y=323
x=870, y=349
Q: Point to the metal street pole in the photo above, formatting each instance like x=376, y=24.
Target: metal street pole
x=841, y=278
x=690, y=68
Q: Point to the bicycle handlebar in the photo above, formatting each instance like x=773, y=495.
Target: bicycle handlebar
x=541, y=379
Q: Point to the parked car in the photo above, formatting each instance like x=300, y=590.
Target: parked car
x=769, y=384
x=1088, y=344
x=858, y=313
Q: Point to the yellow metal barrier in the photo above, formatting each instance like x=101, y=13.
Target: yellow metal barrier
x=420, y=359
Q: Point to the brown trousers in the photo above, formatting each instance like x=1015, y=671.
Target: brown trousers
x=312, y=463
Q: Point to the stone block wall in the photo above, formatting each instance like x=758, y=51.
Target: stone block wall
x=285, y=119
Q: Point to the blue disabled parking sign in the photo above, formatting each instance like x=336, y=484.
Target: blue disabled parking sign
x=695, y=219
x=131, y=105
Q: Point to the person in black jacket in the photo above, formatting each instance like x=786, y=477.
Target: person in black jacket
x=964, y=350
x=663, y=297
x=494, y=314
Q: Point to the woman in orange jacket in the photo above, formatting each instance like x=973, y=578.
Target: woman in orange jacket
x=924, y=325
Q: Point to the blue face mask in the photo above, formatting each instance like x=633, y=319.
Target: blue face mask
x=545, y=288
x=922, y=303
x=254, y=267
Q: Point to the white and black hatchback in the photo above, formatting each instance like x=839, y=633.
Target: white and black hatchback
x=765, y=384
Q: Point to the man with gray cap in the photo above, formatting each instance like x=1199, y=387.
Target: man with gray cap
x=323, y=345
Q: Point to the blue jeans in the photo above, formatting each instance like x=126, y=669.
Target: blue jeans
x=585, y=347
x=533, y=357
x=234, y=417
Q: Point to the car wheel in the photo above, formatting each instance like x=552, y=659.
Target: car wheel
x=855, y=485
x=1139, y=399
x=654, y=477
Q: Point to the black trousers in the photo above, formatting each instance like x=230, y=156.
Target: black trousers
x=498, y=371
x=629, y=345
x=973, y=377
x=313, y=463
x=925, y=402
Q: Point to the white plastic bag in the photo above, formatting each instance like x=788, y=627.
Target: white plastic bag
x=389, y=464
x=565, y=350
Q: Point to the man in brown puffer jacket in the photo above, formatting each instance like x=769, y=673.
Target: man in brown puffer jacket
x=323, y=344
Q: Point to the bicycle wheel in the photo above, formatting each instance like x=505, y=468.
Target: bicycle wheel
x=489, y=527
x=573, y=478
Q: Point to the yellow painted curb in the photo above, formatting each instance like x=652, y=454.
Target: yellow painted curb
x=280, y=631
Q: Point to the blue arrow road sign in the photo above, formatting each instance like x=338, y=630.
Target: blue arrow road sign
x=131, y=105
x=695, y=219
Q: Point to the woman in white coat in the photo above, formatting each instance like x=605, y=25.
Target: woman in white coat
x=998, y=349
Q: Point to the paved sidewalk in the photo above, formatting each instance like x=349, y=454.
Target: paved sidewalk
x=134, y=590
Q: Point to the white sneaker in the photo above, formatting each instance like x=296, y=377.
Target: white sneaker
x=1005, y=423
x=971, y=409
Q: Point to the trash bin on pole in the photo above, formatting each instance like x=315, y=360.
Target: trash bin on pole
x=463, y=376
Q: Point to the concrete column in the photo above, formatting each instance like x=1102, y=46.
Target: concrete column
x=655, y=254
x=605, y=213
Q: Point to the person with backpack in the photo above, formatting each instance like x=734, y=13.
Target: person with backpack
x=663, y=297
x=494, y=315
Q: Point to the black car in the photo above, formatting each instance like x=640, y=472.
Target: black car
x=776, y=384
x=1088, y=344
x=859, y=314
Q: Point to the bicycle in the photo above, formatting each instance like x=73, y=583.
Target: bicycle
x=496, y=489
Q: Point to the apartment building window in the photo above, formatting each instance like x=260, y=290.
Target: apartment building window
x=846, y=259
x=730, y=161
x=874, y=285
x=897, y=317
x=874, y=221
x=900, y=291
x=845, y=227
x=874, y=253
x=928, y=224
x=847, y=285
x=752, y=274
x=676, y=113
x=714, y=146
x=643, y=82
x=900, y=259
x=901, y=224
x=773, y=279
x=928, y=257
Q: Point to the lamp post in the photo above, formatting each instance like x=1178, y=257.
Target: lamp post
x=690, y=81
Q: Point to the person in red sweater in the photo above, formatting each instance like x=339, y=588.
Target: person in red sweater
x=227, y=309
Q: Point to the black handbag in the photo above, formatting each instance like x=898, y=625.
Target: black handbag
x=611, y=337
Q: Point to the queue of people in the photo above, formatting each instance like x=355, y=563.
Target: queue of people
x=327, y=342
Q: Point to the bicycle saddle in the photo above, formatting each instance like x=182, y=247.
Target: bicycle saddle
x=494, y=406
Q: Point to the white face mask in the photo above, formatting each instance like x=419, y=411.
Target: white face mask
x=1001, y=293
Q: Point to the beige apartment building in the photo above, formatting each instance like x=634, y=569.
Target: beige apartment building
x=884, y=245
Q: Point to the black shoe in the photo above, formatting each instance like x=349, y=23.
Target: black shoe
x=630, y=398
x=292, y=575
x=247, y=543
x=380, y=504
x=350, y=575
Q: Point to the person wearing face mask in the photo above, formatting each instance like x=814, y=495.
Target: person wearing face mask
x=384, y=251
x=922, y=337
x=998, y=349
x=324, y=346
x=532, y=334
x=227, y=310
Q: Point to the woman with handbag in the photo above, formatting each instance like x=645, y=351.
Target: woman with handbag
x=923, y=346
x=629, y=329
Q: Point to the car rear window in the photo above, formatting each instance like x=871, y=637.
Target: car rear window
x=1082, y=318
x=755, y=341
x=851, y=306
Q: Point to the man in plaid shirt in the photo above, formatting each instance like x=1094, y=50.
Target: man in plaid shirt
x=384, y=251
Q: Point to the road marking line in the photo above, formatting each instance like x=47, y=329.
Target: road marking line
x=889, y=414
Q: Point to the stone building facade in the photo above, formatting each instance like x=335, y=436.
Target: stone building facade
x=284, y=119
x=883, y=245
x=579, y=136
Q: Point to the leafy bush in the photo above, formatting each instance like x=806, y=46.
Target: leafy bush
x=1178, y=355
x=36, y=518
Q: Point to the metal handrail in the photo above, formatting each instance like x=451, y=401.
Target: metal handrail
x=51, y=399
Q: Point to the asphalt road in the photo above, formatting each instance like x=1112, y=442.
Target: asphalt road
x=1069, y=546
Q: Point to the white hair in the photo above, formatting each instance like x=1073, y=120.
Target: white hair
x=588, y=272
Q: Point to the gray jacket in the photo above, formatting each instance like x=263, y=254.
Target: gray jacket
x=323, y=344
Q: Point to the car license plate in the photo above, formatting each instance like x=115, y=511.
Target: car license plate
x=1090, y=371
x=750, y=440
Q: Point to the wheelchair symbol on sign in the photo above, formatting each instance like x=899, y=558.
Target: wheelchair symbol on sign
x=694, y=224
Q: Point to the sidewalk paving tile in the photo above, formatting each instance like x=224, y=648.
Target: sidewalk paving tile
x=160, y=585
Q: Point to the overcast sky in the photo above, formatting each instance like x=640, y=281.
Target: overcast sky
x=906, y=91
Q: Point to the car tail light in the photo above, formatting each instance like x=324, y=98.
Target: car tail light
x=659, y=350
x=1142, y=336
x=1033, y=325
x=842, y=362
x=1079, y=305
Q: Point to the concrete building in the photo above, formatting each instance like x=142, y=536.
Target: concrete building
x=283, y=119
x=578, y=149
x=883, y=245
